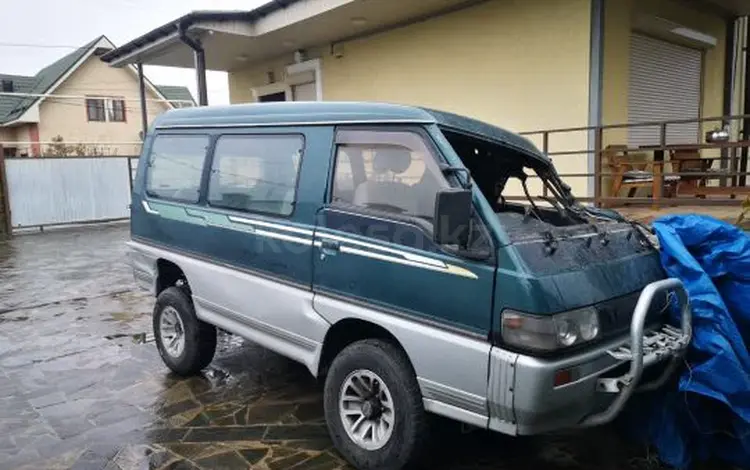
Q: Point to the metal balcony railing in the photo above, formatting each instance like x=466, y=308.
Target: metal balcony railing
x=711, y=170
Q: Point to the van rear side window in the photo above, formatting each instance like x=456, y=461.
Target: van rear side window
x=256, y=173
x=175, y=166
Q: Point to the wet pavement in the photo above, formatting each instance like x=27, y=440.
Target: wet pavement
x=82, y=385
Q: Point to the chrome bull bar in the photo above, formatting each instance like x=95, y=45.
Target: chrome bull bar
x=645, y=350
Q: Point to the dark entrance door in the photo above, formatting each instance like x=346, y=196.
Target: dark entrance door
x=280, y=96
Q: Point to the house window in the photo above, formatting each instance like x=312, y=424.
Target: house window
x=117, y=110
x=95, y=109
x=105, y=109
x=10, y=151
x=7, y=86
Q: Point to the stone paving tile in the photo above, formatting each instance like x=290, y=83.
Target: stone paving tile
x=304, y=432
x=224, y=461
x=82, y=385
x=253, y=456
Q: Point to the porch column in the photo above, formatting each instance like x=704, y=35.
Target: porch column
x=596, y=74
x=200, y=75
x=144, y=109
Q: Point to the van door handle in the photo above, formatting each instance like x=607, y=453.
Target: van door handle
x=329, y=248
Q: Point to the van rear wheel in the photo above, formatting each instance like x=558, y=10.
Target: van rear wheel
x=373, y=406
x=185, y=343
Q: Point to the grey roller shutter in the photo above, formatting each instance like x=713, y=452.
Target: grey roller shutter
x=665, y=84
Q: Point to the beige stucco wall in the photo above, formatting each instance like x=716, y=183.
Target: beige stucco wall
x=18, y=137
x=67, y=117
x=520, y=64
x=619, y=21
x=7, y=134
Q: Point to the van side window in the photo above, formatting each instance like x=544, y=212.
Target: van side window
x=387, y=171
x=175, y=166
x=256, y=173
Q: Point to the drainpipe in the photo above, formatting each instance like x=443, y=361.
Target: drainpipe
x=746, y=107
x=199, y=56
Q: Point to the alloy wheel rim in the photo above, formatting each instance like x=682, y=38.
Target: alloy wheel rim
x=367, y=410
x=172, y=332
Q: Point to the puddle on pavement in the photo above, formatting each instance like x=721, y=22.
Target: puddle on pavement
x=4, y=319
x=137, y=338
x=123, y=316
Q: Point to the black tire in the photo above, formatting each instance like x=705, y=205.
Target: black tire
x=409, y=435
x=200, y=337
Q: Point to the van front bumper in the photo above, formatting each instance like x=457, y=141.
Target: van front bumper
x=601, y=380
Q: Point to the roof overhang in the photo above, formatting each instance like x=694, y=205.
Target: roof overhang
x=233, y=39
x=729, y=8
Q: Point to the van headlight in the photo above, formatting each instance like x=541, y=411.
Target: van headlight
x=552, y=332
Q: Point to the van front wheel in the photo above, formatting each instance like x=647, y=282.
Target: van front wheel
x=373, y=406
x=185, y=343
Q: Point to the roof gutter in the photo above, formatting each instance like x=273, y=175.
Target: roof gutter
x=199, y=55
x=186, y=21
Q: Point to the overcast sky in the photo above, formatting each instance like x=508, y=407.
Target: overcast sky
x=54, y=23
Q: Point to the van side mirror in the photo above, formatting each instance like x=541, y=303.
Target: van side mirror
x=452, y=217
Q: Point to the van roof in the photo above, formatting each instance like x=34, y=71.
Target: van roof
x=330, y=112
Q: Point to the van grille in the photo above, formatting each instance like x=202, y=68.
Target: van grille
x=615, y=314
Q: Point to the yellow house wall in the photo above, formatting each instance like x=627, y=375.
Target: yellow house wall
x=618, y=24
x=520, y=64
x=67, y=117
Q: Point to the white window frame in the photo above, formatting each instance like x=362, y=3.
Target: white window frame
x=108, y=107
x=313, y=66
x=294, y=75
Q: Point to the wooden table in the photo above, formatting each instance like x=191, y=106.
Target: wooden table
x=737, y=184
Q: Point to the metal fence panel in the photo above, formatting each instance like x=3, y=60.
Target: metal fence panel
x=48, y=191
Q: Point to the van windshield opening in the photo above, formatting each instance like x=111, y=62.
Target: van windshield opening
x=514, y=183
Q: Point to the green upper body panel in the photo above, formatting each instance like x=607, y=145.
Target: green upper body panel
x=331, y=112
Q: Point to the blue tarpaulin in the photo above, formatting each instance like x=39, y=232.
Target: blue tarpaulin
x=706, y=414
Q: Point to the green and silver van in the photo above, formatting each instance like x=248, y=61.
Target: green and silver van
x=377, y=245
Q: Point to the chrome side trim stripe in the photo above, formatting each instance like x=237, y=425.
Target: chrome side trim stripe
x=286, y=238
x=372, y=246
x=445, y=268
x=401, y=257
x=262, y=223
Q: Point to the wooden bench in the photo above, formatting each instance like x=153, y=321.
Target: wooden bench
x=634, y=170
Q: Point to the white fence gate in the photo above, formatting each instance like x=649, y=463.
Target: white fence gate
x=68, y=190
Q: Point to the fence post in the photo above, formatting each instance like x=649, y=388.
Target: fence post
x=130, y=175
x=6, y=227
x=659, y=154
x=598, y=137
